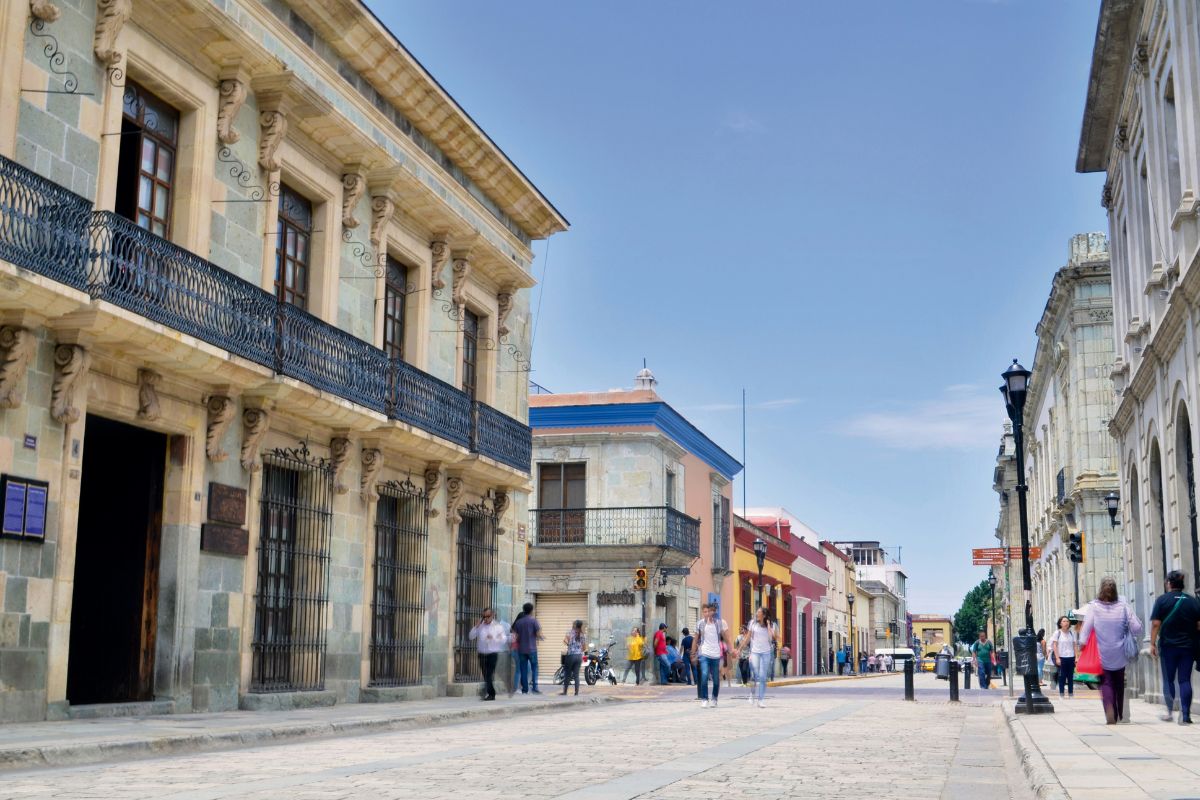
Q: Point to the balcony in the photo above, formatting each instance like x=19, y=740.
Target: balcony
x=654, y=526
x=46, y=229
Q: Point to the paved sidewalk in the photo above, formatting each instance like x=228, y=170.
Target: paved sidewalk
x=1073, y=754
x=93, y=741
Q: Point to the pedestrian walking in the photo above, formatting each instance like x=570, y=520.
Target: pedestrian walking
x=660, y=654
x=831, y=661
x=685, y=647
x=635, y=651
x=1112, y=622
x=841, y=661
x=742, y=653
x=528, y=631
x=1064, y=644
x=761, y=636
x=862, y=664
x=491, y=639
x=983, y=658
x=1042, y=648
x=1174, y=626
x=785, y=655
x=574, y=640
x=709, y=649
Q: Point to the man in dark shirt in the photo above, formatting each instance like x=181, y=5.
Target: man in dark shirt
x=528, y=630
x=1174, y=622
x=685, y=646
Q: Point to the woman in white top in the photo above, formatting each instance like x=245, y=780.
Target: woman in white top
x=761, y=633
x=1064, y=644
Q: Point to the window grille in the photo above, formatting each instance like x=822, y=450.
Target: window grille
x=288, y=650
x=398, y=608
x=474, y=585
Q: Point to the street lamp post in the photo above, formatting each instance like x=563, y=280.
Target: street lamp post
x=850, y=600
x=992, y=586
x=1112, y=501
x=760, y=554
x=1014, y=389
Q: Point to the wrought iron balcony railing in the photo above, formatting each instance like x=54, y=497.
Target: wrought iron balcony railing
x=499, y=436
x=51, y=231
x=645, y=525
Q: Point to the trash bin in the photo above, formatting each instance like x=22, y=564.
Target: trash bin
x=942, y=667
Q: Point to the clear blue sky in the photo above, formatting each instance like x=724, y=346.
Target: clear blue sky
x=853, y=210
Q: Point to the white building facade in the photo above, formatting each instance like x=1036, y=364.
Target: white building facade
x=1141, y=127
x=1070, y=458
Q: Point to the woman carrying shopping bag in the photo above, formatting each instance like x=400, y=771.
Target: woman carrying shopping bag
x=1115, y=630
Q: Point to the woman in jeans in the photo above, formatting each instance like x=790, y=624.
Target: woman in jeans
x=761, y=640
x=574, y=642
x=1063, y=645
x=635, y=646
x=1108, y=618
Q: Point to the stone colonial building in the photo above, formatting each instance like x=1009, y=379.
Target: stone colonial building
x=265, y=324
x=1141, y=127
x=833, y=616
x=883, y=580
x=622, y=481
x=1010, y=600
x=1070, y=458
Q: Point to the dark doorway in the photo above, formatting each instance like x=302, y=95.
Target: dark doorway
x=113, y=613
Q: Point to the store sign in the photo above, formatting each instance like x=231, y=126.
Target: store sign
x=623, y=598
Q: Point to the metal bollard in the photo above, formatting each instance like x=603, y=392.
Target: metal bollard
x=909, y=692
x=953, y=681
x=967, y=677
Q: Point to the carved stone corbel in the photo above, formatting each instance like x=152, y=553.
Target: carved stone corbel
x=44, y=10
x=441, y=252
x=20, y=346
x=111, y=16
x=353, y=186
x=454, y=497
x=233, y=97
x=148, y=407
x=504, y=304
x=339, y=457
x=382, y=209
x=1122, y=139
x=372, y=462
x=71, y=362
x=1106, y=195
x=500, y=505
x=458, y=288
x=273, y=127
x=433, y=481
x=255, y=422
x=220, y=414
x=1141, y=57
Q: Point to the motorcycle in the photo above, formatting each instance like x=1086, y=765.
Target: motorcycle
x=596, y=666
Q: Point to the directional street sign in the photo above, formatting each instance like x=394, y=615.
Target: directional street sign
x=999, y=556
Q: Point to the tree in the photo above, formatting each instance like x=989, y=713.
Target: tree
x=972, y=616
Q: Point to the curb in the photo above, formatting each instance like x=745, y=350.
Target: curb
x=1042, y=780
x=99, y=752
x=831, y=679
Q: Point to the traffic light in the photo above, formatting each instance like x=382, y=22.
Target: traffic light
x=639, y=578
x=1075, y=547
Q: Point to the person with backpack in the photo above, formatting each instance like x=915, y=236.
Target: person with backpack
x=1174, y=626
x=709, y=648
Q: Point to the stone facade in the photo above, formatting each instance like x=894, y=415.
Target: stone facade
x=1141, y=127
x=320, y=98
x=1070, y=458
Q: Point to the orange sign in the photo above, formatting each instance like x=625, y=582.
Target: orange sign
x=999, y=556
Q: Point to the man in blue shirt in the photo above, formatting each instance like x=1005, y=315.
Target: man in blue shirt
x=527, y=630
x=1174, y=621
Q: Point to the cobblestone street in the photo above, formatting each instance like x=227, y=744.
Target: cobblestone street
x=821, y=740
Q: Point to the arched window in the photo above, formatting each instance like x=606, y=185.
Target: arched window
x=1186, y=476
x=1158, y=537
x=1137, y=543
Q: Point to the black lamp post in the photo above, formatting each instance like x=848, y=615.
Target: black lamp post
x=760, y=554
x=992, y=587
x=1014, y=389
x=1113, y=501
x=850, y=600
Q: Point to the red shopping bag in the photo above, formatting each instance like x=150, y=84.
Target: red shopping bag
x=1089, y=658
